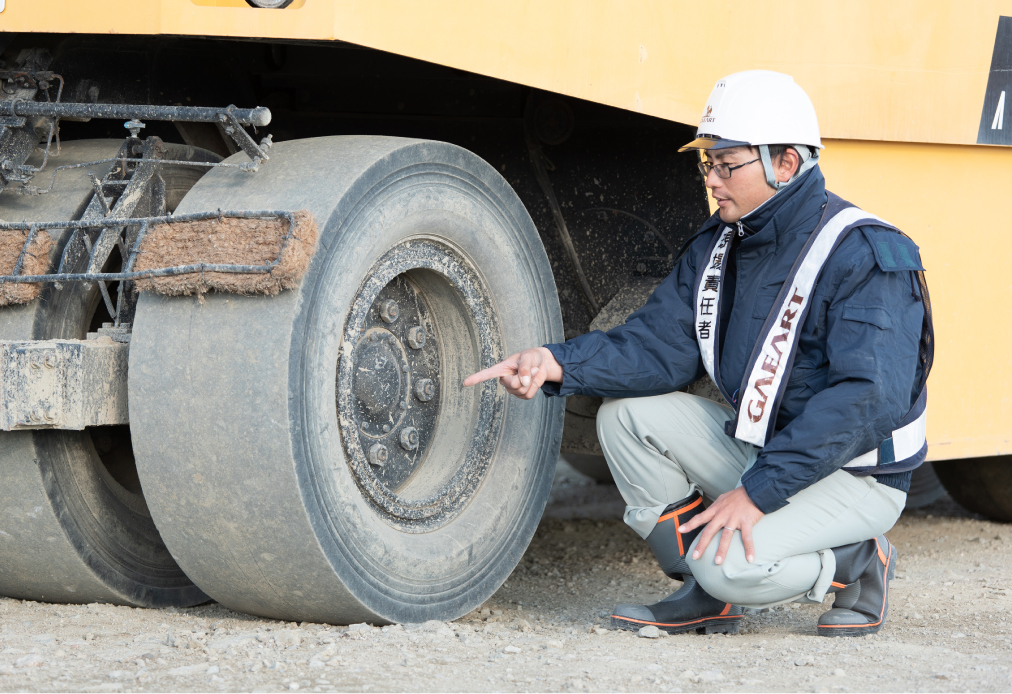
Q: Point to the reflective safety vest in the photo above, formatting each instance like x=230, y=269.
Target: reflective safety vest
x=764, y=383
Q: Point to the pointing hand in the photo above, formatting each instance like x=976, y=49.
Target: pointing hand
x=522, y=374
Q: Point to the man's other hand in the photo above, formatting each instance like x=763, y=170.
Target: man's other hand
x=731, y=511
x=523, y=373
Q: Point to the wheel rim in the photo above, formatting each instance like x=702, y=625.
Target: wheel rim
x=422, y=304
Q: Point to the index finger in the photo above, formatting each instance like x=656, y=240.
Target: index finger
x=697, y=520
x=503, y=368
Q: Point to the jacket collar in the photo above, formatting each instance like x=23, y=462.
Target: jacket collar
x=792, y=204
x=798, y=201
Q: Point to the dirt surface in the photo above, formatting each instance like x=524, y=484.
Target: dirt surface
x=546, y=629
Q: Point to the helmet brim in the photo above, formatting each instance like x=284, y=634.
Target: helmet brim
x=708, y=142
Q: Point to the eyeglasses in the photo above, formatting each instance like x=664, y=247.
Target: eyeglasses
x=723, y=170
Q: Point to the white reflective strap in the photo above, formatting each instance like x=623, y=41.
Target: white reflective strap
x=708, y=299
x=909, y=440
x=869, y=459
x=766, y=378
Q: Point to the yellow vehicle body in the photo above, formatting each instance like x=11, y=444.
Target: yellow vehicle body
x=899, y=89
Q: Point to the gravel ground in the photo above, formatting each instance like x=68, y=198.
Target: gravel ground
x=546, y=629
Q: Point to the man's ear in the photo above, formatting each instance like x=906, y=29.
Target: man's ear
x=788, y=164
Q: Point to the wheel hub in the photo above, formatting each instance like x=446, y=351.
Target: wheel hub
x=392, y=364
x=421, y=318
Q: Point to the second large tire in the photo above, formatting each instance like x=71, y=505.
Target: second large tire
x=313, y=456
x=73, y=523
x=981, y=485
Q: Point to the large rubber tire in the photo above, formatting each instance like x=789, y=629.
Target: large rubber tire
x=981, y=485
x=259, y=483
x=73, y=523
x=925, y=488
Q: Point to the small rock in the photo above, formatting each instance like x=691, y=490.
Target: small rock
x=649, y=632
x=485, y=612
x=553, y=644
x=316, y=664
x=805, y=660
x=215, y=678
x=601, y=632
x=687, y=675
x=186, y=670
x=6, y=670
x=710, y=676
x=839, y=672
x=213, y=670
x=524, y=625
x=959, y=635
x=293, y=686
x=30, y=660
x=287, y=638
x=511, y=649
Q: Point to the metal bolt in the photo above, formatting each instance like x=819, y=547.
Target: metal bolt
x=641, y=267
x=389, y=310
x=648, y=236
x=386, y=428
x=378, y=455
x=134, y=126
x=409, y=438
x=425, y=389
x=416, y=337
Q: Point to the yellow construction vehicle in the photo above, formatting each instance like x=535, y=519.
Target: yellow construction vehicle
x=471, y=178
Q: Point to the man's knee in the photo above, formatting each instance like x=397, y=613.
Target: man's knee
x=616, y=419
x=626, y=416
x=730, y=581
x=740, y=582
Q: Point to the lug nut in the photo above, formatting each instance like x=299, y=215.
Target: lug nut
x=416, y=337
x=425, y=389
x=409, y=438
x=389, y=310
x=378, y=455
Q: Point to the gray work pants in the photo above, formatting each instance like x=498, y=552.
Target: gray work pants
x=662, y=448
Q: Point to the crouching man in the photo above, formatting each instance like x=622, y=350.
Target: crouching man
x=812, y=318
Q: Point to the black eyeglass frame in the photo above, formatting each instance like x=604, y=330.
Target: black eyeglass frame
x=705, y=167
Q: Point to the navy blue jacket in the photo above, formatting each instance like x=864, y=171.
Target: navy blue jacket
x=857, y=370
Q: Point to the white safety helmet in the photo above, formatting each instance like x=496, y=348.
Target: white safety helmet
x=758, y=108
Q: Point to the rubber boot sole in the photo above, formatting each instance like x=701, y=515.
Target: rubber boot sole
x=704, y=625
x=857, y=629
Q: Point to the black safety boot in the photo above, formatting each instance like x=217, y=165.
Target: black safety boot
x=690, y=607
x=669, y=545
x=863, y=572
